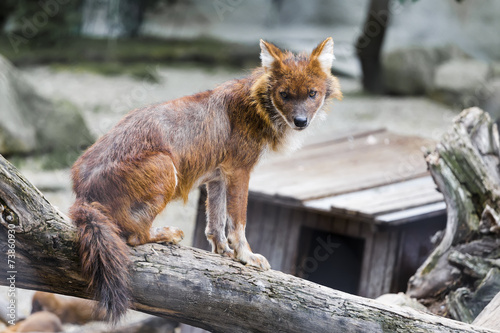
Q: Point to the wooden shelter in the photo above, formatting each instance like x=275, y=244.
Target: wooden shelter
x=355, y=213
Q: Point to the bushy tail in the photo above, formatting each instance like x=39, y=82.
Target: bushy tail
x=104, y=260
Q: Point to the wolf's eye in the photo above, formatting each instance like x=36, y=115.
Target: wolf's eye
x=283, y=95
x=312, y=93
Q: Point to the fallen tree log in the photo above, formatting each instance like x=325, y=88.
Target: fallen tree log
x=186, y=284
x=460, y=277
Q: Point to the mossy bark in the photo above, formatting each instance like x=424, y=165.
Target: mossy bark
x=465, y=168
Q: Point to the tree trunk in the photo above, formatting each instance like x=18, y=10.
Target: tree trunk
x=369, y=45
x=114, y=18
x=186, y=284
x=461, y=275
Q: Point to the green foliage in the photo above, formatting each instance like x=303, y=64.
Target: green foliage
x=138, y=70
x=131, y=56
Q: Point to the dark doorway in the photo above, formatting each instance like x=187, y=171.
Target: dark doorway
x=330, y=259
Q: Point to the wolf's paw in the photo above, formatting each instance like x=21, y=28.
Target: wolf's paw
x=170, y=235
x=256, y=260
x=227, y=252
x=222, y=248
x=177, y=235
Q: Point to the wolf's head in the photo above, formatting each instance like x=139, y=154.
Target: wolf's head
x=298, y=85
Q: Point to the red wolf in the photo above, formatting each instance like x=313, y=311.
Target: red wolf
x=159, y=153
x=70, y=310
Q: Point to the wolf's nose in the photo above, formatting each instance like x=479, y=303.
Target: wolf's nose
x=300, y=121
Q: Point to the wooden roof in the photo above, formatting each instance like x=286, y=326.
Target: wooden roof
x=376, y=176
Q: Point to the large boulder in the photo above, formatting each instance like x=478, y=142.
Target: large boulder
x=17, y=133
x=490, y=100
x=463, y=83
x=495, y=69
x=31, y=123
x=461, y=75
x=410, y=71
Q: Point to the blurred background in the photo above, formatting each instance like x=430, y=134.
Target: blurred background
x=70, y=69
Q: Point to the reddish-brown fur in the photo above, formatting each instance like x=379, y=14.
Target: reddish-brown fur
x=43, y=321
x=70, y=310
x=159, y=153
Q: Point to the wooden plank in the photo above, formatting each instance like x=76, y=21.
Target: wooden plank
x=378, y=264
x=367, y=234
x=401, y=261
x=268, y=229
x=338, y=226
x=415, y=201
x=306, y=173
x=370, y=200
x=390, y=266
x=291, y=248
x=281, y=236
x=342, y=153
x=318, y=183
x=338, y=146
x=337, y=137
x=353, y=228
x=409, y=215
x=405, y=203
x=325, y=222
x=361, y=158
x=253, y=229
x=348, y=145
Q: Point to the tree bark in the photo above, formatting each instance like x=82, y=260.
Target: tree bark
x=190, y=285
x=490, y=316
x=461, y=272
x=369, y=45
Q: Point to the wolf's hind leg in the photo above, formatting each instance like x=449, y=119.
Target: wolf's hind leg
x=153, y=182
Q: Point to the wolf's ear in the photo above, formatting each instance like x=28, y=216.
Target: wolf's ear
x=269, y=53
x=324, y=54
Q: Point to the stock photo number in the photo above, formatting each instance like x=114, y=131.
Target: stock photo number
x=11, y=273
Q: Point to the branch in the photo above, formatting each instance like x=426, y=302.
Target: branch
x=190, y=285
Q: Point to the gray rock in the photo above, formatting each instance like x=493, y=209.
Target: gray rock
x=402, y=300
x=463, y=83
x=461, y=75
x=495, y=69
x=30, y=123
x=17, y=133
x=491, y=98
x=410, y=71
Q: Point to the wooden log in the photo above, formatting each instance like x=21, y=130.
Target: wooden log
x=465, y=168
x=465, y=305
x=490, y=316
x=186, y=284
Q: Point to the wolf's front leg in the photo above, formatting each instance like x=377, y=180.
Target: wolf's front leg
x=237, y=199
x=216, y=217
